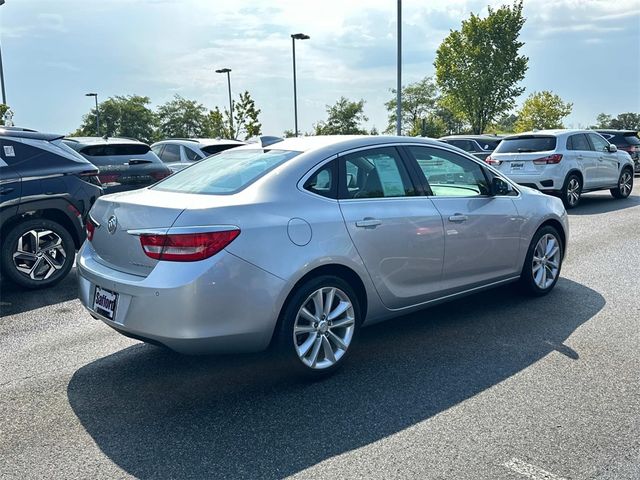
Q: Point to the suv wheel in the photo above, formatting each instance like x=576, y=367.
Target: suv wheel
x=625, y=184
x=319, y=324
x=37, y=253
x=571, y=191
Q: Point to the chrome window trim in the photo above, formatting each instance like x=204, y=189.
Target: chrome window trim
x=183, y=230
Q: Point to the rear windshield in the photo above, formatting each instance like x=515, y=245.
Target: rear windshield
x=213, y=149
x=488, y=144
x=127, y=149
x=526, y=144
x=632, y=138
x=226, y=173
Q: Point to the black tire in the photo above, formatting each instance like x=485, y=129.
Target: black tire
x=572, y=186
x=527, y=280
x=625, y=184
x=285, y=335
x=62, y=256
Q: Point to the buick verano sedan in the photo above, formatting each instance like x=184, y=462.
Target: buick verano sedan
x=300, y=244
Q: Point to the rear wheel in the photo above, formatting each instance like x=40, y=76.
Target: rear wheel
x=37, y=253
x=625, y=184
x=571, y=191
x=319, y=325
x=543, y=263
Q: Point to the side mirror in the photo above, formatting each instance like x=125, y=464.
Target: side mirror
x=500, y=187
x=612, y=148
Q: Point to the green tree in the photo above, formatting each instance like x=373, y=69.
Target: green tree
x=3, y=109
x=624, y=121
x=542, y=110
x=506, y=123
x=215, y=124
x=343, y=118
x=419, y=100
x=181, y=118
x=478, y=68
x=121, y=116
x=245, y=117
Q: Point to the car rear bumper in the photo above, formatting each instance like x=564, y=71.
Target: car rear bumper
x=543, y=183
x=219, y=305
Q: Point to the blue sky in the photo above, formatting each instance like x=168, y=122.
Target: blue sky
x=587, y=51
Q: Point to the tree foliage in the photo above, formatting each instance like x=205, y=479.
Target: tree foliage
x=419, y=100
x=624, y=121
x=245, y=117
x=3, y=109
x=478, y=68
x=542, y=110
x=343, y=118
x=181, y=118
x=121, y=116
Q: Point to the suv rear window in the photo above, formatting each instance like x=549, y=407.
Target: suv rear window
x=632, y=138
x=526, y=144
x=226, y=173
x=115, y=149
x=213, y=149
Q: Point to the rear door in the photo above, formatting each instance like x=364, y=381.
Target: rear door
x=607, y=162
x=397, y=231
x=482, y=232
x=579, y=146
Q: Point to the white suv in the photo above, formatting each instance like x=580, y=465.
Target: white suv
x=179, y=153
x=565, y=163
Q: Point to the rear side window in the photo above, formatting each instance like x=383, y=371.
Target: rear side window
x=190, y=154
x=171, y=153
x=488, y=145
x=578, y=142
x=213, y=149
x=226, y=173
x=323, y=182
x=127, y=149
x=527, y=144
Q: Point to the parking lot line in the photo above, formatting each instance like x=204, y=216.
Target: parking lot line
x=531, y=471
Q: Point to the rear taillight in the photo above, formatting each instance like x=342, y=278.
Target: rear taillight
x=108, y=178
x=186, y=247
x=550, y=160
x=492, y=161
x=90, y=227
x=90, y=176
x=160, y=175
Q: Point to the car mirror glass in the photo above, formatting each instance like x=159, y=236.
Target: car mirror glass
x=500, y=187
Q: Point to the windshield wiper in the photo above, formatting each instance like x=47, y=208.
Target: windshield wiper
x=525, y=150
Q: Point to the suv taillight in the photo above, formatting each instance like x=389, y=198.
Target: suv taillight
x=186, y=247
x=550, y=160
x=492, y=161
x=90, y=227
x=160, y=175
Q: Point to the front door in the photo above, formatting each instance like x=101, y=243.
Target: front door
x=607, y=161
x=482, y=231
x=397, y=232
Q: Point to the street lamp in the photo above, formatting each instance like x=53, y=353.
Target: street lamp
x=95, y=95
x=294, y=37
x=399, y=80
x=4, y=96
x=228, y=71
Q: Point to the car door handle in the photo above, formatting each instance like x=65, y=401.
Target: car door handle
x=368, y=222
x=458, y=218
x=5, y=190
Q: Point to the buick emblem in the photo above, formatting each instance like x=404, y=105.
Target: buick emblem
x=112, y=224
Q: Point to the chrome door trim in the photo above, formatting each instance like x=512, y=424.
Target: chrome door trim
x=182, y=230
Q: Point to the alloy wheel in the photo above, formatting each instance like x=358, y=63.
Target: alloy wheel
x=626, y=183
x=324, y=328
x=546, y=261
x=39, y=254
x=573, y=191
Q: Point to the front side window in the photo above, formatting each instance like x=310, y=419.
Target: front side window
x=578, y=142
x=449, y=174
x=226, y=173
x=375, y=173
x=599, y=143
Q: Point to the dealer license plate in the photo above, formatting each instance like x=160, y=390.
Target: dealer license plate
x=105, y=302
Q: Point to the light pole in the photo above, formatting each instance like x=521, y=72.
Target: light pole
x=95, y=95
x=294, y=37
x=4, y=96
x=228, y=71
x=399, y=67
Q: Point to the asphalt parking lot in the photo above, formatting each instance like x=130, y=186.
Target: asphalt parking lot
x=494, y=386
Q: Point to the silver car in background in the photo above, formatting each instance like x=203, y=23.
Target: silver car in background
x=299, y=244
x=178, y=153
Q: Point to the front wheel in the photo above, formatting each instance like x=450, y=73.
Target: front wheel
x=625, y=185
x=544, y=259
x=319, y=325
x=37, y=253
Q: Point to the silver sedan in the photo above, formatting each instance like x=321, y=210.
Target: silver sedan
x=299, y=244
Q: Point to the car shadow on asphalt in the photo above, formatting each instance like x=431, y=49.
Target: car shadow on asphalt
x=594, y=204
x=15, y=299
x=159, y=414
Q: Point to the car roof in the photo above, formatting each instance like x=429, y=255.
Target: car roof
x=557, y=132
x=103, y=140
x=203, y=142
x=473, y=137
x=19, y=133
x=609, y=130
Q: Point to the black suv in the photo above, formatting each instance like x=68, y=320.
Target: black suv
x=480, y=146
x=46, y=191
x=626, y=140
